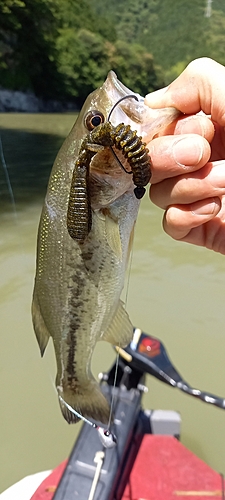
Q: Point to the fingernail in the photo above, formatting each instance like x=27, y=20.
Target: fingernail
x=188, y=151
x=198, y=208
x=192, y=125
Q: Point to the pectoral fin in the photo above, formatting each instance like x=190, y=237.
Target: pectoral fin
x=113, y=236
x=120, y=331
x=41, y=332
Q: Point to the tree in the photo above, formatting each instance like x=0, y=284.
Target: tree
x=216, y=35
x=82, y=61
x=63, y=48
x=135, y=67
x=27, y=35
x=77, y=15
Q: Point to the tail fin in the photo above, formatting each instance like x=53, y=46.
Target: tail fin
x=89, y=402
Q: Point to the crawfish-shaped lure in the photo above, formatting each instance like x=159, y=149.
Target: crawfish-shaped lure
x=79, y=219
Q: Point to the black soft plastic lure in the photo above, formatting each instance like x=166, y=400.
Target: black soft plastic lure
x=102, y=135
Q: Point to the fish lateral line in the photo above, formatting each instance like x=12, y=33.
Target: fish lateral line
x=107, y=438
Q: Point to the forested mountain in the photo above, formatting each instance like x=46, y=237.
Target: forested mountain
x=173, y=31
x=63, y=48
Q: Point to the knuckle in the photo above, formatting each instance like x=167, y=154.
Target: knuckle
x=197, y=66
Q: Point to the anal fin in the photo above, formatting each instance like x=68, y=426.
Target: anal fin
x=120, y=330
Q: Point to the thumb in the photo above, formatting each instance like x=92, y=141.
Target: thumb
x=200, y=87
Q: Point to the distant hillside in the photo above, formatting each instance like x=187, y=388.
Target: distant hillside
x=63, y=49
x=173, y=31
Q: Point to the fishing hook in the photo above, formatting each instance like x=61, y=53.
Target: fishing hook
x=107, y=438
x=130, y=96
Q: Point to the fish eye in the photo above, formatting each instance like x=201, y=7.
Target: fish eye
x=93, y=119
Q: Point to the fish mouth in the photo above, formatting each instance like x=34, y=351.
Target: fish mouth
x=128, y=110
x=119, y=88
x=134, y=112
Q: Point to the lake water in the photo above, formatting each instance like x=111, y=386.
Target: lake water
x=176, y=293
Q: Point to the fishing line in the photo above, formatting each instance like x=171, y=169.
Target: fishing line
x=128, y=274
x=8, y=182
x=107, y=438
x=81, y=417
x=113, y=390
x=130, y=96
x=120, y=163
x=14, y=214
x=118, y=355
x=222, y=486
x=12, y=199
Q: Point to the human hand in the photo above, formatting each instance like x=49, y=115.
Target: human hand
x=188, y=176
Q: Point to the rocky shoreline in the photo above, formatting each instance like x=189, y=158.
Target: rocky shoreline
x=26, y=102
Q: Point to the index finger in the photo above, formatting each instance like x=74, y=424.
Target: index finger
x=199, y=88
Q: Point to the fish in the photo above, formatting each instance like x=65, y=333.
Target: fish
x=79, y=279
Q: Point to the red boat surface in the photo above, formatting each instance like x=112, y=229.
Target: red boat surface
x=163, y=470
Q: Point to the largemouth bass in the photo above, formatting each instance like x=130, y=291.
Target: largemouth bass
x=79, y=281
